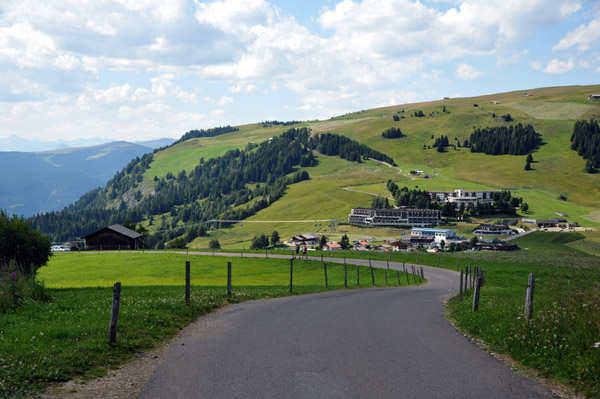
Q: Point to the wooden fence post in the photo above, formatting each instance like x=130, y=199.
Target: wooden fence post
x=345, y=273
x=465, y=280
x=529, y=296
x=229, y=279
x=385, y=272
x=438, y=262
x=476, y=295
x=357, y=275
x=423, y=272
x=418, y=253
x=114, y=313
x=291, y=273
x=398, y=275
x=187, y=282
x=457, y=264
x=407, y=277
x=460, y=287
x=325, y=268
x=372, y=272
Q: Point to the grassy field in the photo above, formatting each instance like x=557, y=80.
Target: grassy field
x=44, y=343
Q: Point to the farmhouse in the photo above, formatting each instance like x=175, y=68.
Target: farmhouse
x=492, y=230
x=394, y=217
x=306, y=239
x=594, y=97
x=113, y=237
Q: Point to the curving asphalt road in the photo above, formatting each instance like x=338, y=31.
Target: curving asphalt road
x=363, y=343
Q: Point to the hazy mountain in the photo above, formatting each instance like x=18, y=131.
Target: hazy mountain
x=34, y=182
x=16, y=143
x=165, y=141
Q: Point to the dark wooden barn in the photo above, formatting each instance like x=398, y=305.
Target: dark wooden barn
x=112, y=238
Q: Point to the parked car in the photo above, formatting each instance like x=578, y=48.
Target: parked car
x=59, y=248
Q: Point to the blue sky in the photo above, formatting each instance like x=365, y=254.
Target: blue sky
x=144, y=69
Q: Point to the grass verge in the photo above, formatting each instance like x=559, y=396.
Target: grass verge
x=45, y=343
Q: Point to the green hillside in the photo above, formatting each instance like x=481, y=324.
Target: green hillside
x=336, y=185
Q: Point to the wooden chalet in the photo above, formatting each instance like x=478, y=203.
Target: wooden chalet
x=115, y=237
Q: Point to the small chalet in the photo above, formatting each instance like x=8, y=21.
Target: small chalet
x=594, y=97
x=332, y=246
x=400, y=246
x=112, y=238
x=306, y=239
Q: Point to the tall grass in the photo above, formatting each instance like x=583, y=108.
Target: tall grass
x=559, y=341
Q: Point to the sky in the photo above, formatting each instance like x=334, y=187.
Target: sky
x=145, y=69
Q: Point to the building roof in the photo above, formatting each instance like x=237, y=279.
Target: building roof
x=431, y=230
x=306, y=237
x=119, y=229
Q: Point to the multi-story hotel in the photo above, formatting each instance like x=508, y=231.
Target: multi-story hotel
x=395, y=217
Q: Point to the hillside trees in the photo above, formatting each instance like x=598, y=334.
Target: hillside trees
x=393, y=133
x=499, y=140
x=231, y=187
x=585, y=139
x=334, y=144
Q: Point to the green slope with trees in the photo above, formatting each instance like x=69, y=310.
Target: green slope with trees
x=435, y=138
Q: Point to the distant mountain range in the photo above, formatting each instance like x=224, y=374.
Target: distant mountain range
x=17, y=143
x=34, y=182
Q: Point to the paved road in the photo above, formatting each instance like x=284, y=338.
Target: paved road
x=368, y=343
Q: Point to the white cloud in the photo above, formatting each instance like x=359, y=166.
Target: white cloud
x=467, y=72
x=537, y=65
x=217, y=113
x=584, y=37
x=556, y=66
x=225, y=100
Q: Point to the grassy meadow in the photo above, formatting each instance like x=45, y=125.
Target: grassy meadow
x=48, y=342
x=336, y=185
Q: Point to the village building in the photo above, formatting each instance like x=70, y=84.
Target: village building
x=114, y=237
x=495, y=245
x=332, y=246
x=437, y=234
x=486, y=229
x=594, y=97
x=400, y=246
x=306, y=239
x=540, y=223
x=394, y=217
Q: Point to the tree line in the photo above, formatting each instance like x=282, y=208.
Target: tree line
x=500, y=140
x=585, y=139
x=334, y=144
x=212, y=132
